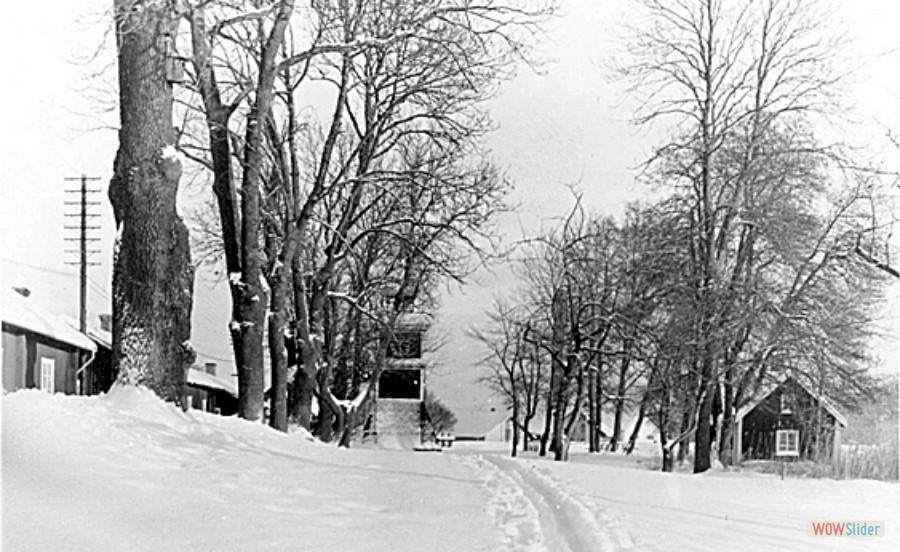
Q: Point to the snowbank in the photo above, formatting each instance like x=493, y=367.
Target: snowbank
x=129, y=472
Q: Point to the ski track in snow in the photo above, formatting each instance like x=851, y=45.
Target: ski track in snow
x=535, y=513
x=511, y=510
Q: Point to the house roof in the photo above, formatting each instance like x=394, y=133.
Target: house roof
x=200, y=378
x=824, y=401
x=414, y=321
x=17, y=310
x=100, y=337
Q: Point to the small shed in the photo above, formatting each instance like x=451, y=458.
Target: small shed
x=789, y=404
x=40, y=350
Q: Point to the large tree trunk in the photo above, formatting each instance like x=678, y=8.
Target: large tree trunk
x=703, y=435
x=153, y=275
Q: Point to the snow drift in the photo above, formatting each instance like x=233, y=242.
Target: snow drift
x=129, y=472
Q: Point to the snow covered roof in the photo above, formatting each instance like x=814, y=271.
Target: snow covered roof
x=414, y=321
x=17, y=310
x=102, y=337
x=823, y=400
x=202, y=379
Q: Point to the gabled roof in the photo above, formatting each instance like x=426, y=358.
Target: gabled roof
x=200, y=378
x=824, y=401
x=17, y=310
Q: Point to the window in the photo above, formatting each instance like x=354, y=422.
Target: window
x=48, y=374
x=400, y=384
x=787, y=442
x=405, y=345
x=787, y=402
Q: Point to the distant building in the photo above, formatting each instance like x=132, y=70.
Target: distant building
x=40, y=350
x=400, y=392
x=789, y=406
x=43, y=351
x=210, y=393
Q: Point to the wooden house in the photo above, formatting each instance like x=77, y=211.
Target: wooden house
x=40, y=350
x=793, y=408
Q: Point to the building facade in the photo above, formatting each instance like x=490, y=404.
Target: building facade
x=400, y=392
x=40, y=351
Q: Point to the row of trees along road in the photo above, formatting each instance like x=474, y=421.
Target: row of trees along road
x=762, y=256
x=344, y=143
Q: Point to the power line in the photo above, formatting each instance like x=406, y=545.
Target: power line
x=41, y=268
x=83, y=239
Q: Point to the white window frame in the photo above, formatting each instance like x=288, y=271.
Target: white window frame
x=787, y=442
x=48, y=375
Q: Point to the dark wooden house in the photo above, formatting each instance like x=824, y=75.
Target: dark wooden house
x=40, y=350
x=789, y=405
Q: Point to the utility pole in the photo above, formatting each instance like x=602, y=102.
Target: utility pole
x=83, y=238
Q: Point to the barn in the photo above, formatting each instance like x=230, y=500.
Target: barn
x=792, y=407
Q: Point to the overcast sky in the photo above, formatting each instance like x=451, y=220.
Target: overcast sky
x=566, y=124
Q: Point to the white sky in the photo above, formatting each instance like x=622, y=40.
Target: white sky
x=566, y=125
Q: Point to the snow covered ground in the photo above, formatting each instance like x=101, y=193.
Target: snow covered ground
x=720, y=510
x=128, y=472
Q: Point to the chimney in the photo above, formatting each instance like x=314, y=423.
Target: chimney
x=23, y=291
x=106, y=322
x=211, y=368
